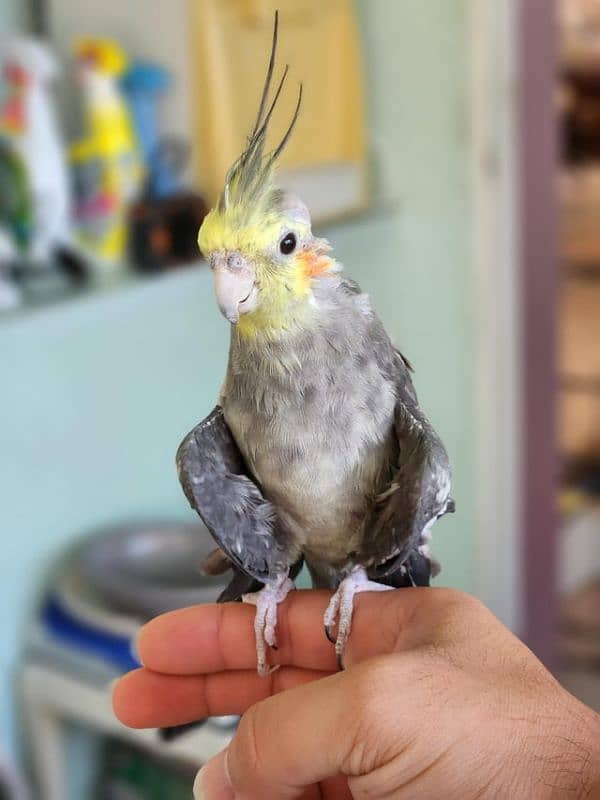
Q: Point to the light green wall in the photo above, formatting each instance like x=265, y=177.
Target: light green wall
x=97, y=393
x=12, y=15
x=417, y=265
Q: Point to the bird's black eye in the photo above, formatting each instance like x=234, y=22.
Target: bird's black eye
x=288, y=244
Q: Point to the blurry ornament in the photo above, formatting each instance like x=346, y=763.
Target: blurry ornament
x=164, y=231
x=107, y=165
x=16, y=213
x=164, y=223
x=165, y=157
x=15, y=221
x=35, y=195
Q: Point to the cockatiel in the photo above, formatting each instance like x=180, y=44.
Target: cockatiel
x=318, y=451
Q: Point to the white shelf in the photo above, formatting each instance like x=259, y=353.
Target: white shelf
x=52, y=699
x=103, y=287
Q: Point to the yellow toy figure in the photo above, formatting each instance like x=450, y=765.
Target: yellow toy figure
x=107, y=165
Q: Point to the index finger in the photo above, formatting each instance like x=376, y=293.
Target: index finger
x=215, y=638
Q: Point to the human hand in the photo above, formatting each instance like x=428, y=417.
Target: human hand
x=438, y=699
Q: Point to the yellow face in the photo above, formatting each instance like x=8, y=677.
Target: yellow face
x=263, y=266
x=258, y=239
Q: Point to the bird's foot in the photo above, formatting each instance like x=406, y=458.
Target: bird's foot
x=265, y=621
x=341, y=607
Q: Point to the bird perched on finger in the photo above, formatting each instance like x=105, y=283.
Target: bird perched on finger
x=317, y=451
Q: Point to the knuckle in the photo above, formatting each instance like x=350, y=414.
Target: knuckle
x=456, y=598
x=460, y=607
x=467, y=600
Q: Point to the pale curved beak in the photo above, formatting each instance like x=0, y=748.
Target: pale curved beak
x=235, y=286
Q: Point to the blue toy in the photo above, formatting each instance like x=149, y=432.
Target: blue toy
x=144, y=85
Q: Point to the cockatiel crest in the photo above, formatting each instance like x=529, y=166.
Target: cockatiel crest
x=258, y=238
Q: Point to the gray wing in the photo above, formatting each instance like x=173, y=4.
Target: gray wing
x=242, y=521
x=418, y=494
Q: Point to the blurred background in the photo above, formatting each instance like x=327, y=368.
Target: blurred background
x=451, y=154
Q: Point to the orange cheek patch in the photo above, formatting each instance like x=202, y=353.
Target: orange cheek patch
x=314, y=263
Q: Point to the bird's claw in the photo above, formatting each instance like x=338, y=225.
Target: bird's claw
x=341, y=607
x=328, y=633
x=265, y=621
x=331, y=614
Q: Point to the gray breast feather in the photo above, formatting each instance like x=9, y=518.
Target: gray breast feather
x=327, y=419
x=244, y=524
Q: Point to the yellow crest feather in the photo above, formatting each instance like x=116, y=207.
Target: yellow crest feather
x=250, y=194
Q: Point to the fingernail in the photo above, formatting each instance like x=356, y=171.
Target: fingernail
x=199, y=793
x=212, y=782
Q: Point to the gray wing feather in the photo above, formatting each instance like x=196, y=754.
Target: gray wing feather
x=418, y=493
x=242, y=521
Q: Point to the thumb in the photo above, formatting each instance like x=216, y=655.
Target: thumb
x=301, y=737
